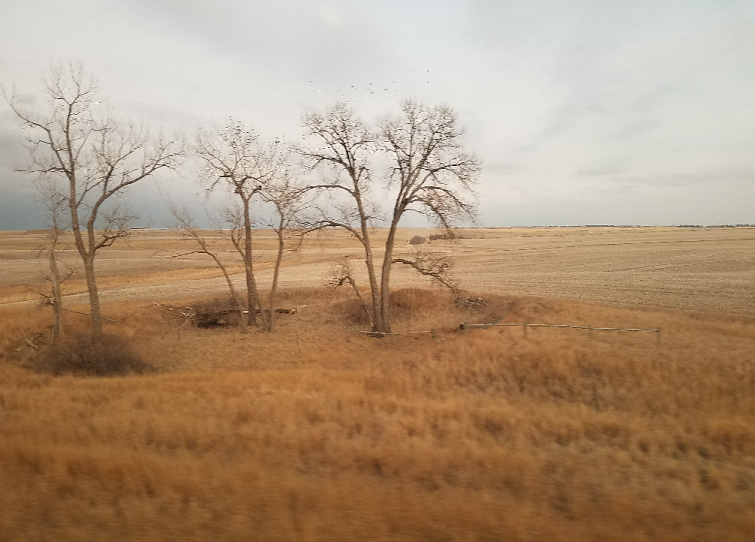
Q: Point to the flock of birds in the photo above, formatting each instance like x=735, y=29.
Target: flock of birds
x=373, y=90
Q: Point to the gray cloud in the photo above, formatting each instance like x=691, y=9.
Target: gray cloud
x=12, y=149
x=601, y=170
x=635, y=129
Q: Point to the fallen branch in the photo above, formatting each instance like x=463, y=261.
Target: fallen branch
x=381, y=334
x=280, y=310
x=466, y=327
x=30, y=342
x=590, y=328
x=87, y=314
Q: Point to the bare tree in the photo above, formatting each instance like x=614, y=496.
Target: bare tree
x=93, y=158
x=233, y=156
x=288, y=201
x=343, y=148
x=56, y=207
x=430, y=174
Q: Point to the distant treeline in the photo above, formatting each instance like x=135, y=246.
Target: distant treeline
x=718, y=226
x=641, y=226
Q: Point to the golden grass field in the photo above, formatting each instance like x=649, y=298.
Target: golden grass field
x=318, y=432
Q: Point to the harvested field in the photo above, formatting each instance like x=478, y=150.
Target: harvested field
x=703, y=269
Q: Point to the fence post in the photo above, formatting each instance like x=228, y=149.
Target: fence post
x=524, y=328
x=659, y=336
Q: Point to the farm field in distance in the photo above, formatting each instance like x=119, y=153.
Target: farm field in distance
x=319, y=432
x=706, y=269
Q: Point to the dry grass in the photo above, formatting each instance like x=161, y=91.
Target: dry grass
x=318, y=432
x=82, y=354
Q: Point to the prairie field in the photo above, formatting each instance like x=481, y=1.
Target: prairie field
x=319, y=432
x=698, y=269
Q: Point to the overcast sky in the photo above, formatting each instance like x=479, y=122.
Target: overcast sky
x=582, y=112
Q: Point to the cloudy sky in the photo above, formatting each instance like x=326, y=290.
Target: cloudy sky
x=582, y=112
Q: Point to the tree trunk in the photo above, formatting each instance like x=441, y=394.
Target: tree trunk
x=251, y=284
x=87, y=258
x=57, y=297
x=274, y=285
x=94, y=296
x=386, y=275
x=377, y=320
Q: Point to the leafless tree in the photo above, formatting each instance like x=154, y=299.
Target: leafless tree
x=342, y=146
x=93, y=158
x=234, y=157
x=429, y=173
x=288, y=200
x=56, y=207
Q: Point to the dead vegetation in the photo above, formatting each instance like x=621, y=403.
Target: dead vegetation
x=214, y=313
x=82, y=354
x=318, y=432
x=218, y=312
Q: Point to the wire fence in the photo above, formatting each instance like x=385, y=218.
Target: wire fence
x=465, y=327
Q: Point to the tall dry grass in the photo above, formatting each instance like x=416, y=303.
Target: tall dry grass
x=318, y=432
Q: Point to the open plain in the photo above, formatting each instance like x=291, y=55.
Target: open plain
x=319, y=432
x=701, y=269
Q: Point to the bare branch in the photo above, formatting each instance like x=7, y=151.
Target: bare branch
x=342, y=273
x=435, y=266
x=186, y=224
x=431, y=170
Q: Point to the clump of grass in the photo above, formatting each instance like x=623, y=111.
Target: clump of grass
x=415, y=309
x=407, y=305
x=83, y=354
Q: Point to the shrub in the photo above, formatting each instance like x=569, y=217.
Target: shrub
x=417, y=240
x=448, y=235
x=83, y=354
x=470, y=302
